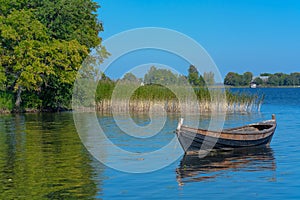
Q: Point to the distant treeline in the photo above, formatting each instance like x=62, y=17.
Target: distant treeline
x=167, y=77
x=235, y=79
x=265, y=79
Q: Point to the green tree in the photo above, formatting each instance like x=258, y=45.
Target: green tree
x=258, y=81
x=22, y=39
x=194, y=78
x=201, y=81
x=131, y=78
x=66, y=59
x=193, y=75
x=160, y=76
x=42, y=46
x=70, y=20
x=281, y=77
x=295, y=78
x=65, y=20
x=233, y=79
x=247, y=78
x=273, y=80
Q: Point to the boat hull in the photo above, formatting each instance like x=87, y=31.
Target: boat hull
x=193, y=142
x=192, y=139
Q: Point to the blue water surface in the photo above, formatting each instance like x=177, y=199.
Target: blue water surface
x=276, y=176
x=42, y=157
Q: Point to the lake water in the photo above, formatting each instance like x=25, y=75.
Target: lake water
x=42, y=157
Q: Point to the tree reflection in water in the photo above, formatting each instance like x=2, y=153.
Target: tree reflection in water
x=41, y=157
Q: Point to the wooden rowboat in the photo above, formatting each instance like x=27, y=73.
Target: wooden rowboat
x=258, y=134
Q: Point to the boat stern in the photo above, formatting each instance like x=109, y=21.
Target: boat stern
x=180, y=122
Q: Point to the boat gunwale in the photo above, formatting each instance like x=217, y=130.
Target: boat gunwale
x=229, y=131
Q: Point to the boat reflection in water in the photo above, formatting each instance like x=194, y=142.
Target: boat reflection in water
x=220, y=162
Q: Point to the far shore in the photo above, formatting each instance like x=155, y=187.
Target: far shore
x=227, y=86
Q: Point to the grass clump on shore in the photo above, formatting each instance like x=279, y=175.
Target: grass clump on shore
x=6, y=102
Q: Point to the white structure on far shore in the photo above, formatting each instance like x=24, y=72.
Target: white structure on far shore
x=253, y=85
x=254, y=81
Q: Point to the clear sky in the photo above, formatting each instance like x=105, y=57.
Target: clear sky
x=240, y=35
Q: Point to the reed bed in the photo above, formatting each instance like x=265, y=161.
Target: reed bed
x=156, y=98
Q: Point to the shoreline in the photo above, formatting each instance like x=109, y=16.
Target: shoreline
x=33, y=110
x=170, y=105
x=266, y=87
x=148, y=106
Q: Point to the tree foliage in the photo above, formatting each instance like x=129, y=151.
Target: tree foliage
x=130, y=78
x=166, y=77
x=258, y=81
x=42, y=47
x=70, y=20
x=281, y=79
x=235, y=79
x=194, y=78
x=160, y=76
x=266, y=79
x=247, y=78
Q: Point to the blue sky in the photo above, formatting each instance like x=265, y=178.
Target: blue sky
x=240, y=35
